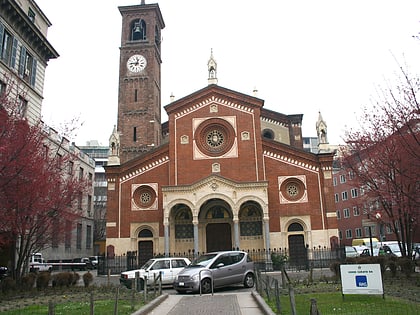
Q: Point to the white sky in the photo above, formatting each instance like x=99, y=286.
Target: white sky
x=302, y=56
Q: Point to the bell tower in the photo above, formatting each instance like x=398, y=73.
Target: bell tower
x=139, y=97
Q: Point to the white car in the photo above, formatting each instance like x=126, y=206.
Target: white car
x=168, y=267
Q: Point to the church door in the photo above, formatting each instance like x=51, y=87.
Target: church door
x=145, y=251
x=218, y=237
x=297, y=252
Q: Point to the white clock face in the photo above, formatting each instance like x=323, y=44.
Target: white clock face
x=136, y=63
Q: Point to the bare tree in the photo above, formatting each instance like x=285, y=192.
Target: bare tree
x=384, y=155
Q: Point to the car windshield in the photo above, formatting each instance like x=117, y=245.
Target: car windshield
x=202, y=261
x=147, y=264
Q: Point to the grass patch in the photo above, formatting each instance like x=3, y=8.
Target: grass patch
x=333, y=303
x=103, y=307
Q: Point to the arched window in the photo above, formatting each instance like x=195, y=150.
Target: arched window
x=138, y=30
x=183, y=222
x=145, y=233
x=250, y=220
x=268, y=134
x=295, y=227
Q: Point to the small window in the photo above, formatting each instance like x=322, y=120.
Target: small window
x=335, y=181
x=346, y=212
x=31, y=15
x=336, y=198
x=354, y=193
x=349, y=234
x=344, y=195
x=358, y=232
x=268, y=134
x=356, y=211
x=342, y=178
x=79, y=236
x=338, y=214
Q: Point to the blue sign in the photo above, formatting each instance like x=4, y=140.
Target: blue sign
x=361, y=281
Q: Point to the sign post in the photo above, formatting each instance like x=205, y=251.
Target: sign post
x=361, y=279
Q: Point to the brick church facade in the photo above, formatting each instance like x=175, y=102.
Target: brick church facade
x=221, y=173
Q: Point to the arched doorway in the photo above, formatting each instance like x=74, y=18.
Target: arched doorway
x=298, y=256
x=218, y=237
x=217, y=218
x=145, y=247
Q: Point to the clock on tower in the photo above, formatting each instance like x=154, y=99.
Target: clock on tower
x=139, y=100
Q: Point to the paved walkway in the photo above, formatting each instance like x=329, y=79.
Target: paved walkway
x=243, y=303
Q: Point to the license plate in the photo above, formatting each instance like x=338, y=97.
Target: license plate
x=181, y=284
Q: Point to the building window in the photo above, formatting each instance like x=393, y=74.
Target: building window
x=338, y=214
x=80, y=200
x=3, y=87
x=340, y=235
x=346, y=212
x=335, y=181
x=70, y=167
x=268, y=134
x=8, y=47
x=80, y=173
x=79, y=236
x=351, y=175
x=356, y=211
x=88, y=237
x=336, y=198
x=358, y=232
x=22, y=106
x=31, y=15
x=67, y=237
x=349, y=234
x=372, y=230
x=27, y=66
x=89, y=206
x=344, y=195
x=342, y=178
x=354, y=192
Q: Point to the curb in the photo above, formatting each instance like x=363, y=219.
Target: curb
x=151, y=305
x=261, y=303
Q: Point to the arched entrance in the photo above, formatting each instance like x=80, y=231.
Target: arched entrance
x=145, y=247
x=298, y=255
x=218, y=237
x=217, y=218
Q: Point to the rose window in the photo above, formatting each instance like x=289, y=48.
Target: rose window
x=144, y=196
x=214, y=137
x=292, y=189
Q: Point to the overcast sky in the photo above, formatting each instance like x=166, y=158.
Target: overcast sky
x=302, y=56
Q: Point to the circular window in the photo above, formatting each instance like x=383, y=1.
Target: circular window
x=214, y=137
x=292, y=189
x=144, y=196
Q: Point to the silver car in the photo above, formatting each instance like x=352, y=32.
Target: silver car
x=218, y=269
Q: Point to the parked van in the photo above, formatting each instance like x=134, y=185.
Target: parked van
x=365, y=242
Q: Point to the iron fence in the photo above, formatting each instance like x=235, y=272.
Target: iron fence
x=265, y=260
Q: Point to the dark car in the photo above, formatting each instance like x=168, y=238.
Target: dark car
x=215, y=270
x=4, y=272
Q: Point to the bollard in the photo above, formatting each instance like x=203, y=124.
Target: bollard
x=314, y=308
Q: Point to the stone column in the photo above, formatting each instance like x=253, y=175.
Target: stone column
x=166, y=234
x=195, y=226
x=237, y=244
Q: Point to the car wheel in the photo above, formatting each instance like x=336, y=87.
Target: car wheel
x=249, y=280
x=206, y=285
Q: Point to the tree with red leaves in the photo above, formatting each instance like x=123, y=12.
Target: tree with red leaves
x=384, y=156
x=37, y=192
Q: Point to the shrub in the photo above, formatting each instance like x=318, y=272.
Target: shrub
x=62, y=279
x=87, y=279
x=74, y=278
x=43, y=280
x=28, y=281
x=406, y=265
x=8, y=284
